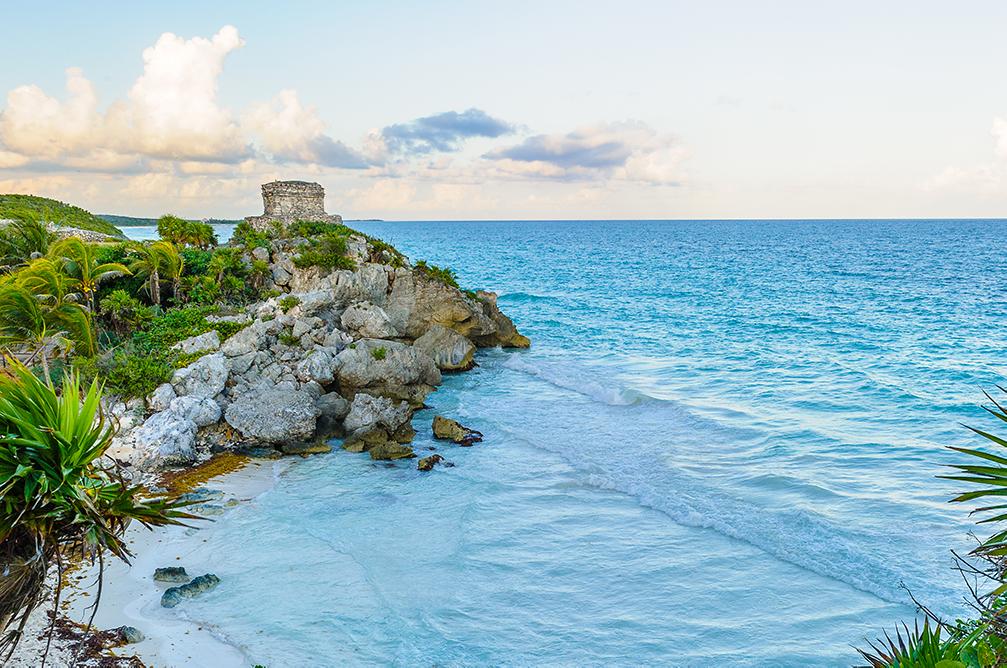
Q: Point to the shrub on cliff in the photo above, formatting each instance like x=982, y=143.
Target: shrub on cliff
x=327, y=251
x=60, y=501
x=443, y=274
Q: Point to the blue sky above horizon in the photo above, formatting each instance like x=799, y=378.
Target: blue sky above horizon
x=495, y=110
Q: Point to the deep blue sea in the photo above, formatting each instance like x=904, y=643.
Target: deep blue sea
x=720, y=450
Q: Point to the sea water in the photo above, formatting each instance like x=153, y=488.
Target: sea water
x=721, y=450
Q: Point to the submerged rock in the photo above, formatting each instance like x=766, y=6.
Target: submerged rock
x=449, y=350
x=176, y=595
x=391, y=450
x=452, y=430
x=427, y=463
x=171, y=574
x=305, y=449
x=129, y=635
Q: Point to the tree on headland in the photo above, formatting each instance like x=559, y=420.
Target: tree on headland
x=154, y=261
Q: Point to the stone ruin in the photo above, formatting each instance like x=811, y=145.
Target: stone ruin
x=288, y=201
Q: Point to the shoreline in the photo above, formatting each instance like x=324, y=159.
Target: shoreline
x=132, y=598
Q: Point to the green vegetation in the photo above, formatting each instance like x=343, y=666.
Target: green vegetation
x=183, y=232
x=287, y=338
x=979, y=642
x=327, y=251
x=25, y=237
x=245, y=235
x=59, y=213
x=442, y=274
x=379, y=353
x=61, y=500
x=289, y=302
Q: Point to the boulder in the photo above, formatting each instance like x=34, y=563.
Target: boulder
x=391, y=450
x=166, y=438
x=427, y=463
x=204, y=378
x=161, y=397
x=128, y=635
x=274, y=415
x=175, y=574
x=176, y=595
x=367, y=320
x=206, y=342
x=454, y=431
x=248, y=340
x=332, y=408
x=367, y=412
x=318, y=366
x=449, y=350
x=201, y=411
x=387, y=368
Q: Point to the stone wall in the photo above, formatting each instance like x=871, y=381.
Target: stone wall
x=289, y=201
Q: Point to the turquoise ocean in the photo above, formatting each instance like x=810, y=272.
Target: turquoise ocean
x=721, y=450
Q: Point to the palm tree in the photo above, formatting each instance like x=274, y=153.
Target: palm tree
x=25, y=237
x=48, y=282
x=151, y=261
x=79, y=262
x=24, y=321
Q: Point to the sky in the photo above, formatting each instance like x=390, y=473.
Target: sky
x=490, y=110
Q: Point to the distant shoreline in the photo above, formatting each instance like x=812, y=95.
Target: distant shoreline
x=133, y=221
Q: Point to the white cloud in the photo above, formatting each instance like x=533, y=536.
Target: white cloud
x=630, y=151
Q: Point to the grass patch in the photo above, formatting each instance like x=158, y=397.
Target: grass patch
x=443, y=274
x=379, y=353
x=289, y=302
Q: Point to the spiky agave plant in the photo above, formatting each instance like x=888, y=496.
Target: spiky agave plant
x=60, y=499
x=919, y=648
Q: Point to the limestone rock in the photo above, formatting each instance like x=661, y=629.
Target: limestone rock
x=202, y=412
x=206, y=342
x=274, y=415
x=367, y=412
x=166, y=438
x=454, y=431
x=318, y=366
x=161, y=397
x=388, y=368
x=203, y=378
x=176, y=595
x=449, y=350
x=427, y=463
x=248, y=340
x=171, y=574
x=391, y=450
x=367, y=320
x=129, y=635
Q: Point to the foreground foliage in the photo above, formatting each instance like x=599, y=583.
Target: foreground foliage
x=59, y=499
x=980, y=642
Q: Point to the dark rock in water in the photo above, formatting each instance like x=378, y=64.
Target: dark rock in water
x=391, y=450
x=171, y=574
x=454, y=431
x=427, y=463
x=259, y=452
x=129, y=634
x=305, y=449
x=201, y=495
x=176, y=595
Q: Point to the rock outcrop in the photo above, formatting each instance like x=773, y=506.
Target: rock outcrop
x=353, y=354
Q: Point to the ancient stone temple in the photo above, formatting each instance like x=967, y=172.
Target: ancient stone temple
x=289, y=201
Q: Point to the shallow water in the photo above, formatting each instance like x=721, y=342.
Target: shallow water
x=720, y=450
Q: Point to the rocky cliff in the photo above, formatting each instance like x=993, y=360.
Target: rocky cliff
x=349, y=352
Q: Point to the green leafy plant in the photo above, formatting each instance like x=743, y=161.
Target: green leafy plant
x=287, y=338
x=246, y=235
x=289, y=302
x=59, y=499
x=327, y=251
x=26, y=236
x=443, y=274
x=379, y=353
x=125, y=311
x=919, y=648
